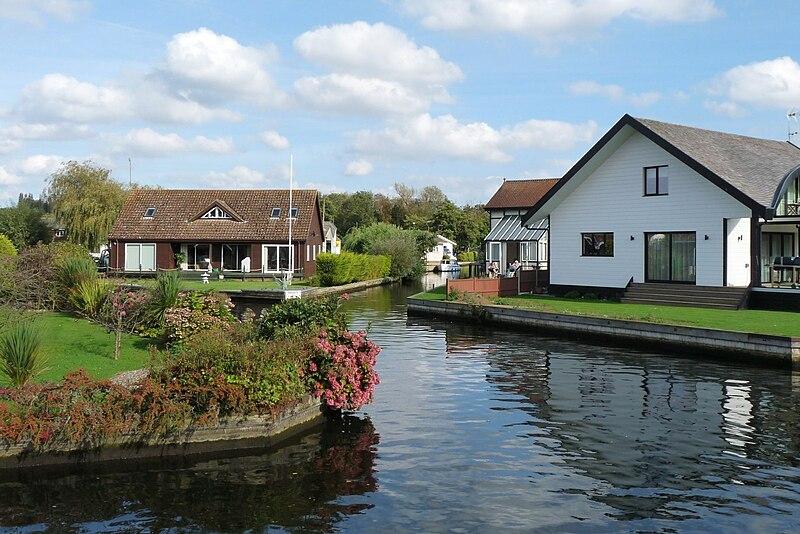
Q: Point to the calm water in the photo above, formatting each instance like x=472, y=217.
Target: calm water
x=478, y=430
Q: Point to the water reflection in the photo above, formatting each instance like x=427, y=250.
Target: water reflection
x=651, y=437
x=310, y=485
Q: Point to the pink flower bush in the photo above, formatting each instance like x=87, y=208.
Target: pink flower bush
x=195, y=312
x=343, y=370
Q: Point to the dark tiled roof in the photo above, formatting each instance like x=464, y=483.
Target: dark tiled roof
x=520, y=193
x=179, y=211
x=754, y=166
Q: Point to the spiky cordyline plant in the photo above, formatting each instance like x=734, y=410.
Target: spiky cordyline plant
x=21, y=358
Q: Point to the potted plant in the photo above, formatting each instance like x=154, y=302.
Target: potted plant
x=180, y=260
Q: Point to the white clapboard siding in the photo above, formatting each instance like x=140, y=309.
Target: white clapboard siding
x=611, y=199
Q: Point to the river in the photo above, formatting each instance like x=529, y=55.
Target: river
x=479, y=430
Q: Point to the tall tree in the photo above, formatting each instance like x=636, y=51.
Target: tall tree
x=86, y=201
x=24, y=224
x=357, y=210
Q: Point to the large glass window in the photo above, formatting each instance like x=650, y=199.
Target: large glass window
x=276, y=258
x=773, y=245
x=671, y=257
x=598, y=244
x=140, y=257
x=232, y=256
x=656, y=181
x=527, y=252
x=493, y=251
x=199, y=255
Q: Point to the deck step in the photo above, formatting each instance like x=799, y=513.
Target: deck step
x=730, y=298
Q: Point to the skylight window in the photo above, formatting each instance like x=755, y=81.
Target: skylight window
x=150, y=213
x=276, y=212
x=294, y=213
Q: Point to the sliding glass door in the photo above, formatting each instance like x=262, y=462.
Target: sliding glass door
x=671, y=257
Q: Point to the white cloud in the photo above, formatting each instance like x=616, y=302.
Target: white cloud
x=324, y=188
x=274, y=140
x=148, y=142
x=39, y=164
x=615, y=93
x=51, y=131
x=32, y=10
x=546, y=20
x=728, y=109
x=359, y=167
x=210, y=62
x=426, y=137
x=9, y=145
x=343, y=93
x=64, y=98
x=769, y=84
x=375, y=69
x=8, y=177
x=376, y=50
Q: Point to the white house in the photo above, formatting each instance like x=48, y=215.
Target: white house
x=508, y=239
x=443, y=247
x=658, y=202
x=332, y=243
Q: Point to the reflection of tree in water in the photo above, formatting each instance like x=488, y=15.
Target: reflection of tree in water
x=308, y=485
x=651, y=436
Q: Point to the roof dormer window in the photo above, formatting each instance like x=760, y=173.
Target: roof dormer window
x=216, y=213
x=276, y=212
x=149, y=213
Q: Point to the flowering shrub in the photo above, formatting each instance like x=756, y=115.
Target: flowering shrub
x=297, y=318
x=196, y=311
x=342, y=371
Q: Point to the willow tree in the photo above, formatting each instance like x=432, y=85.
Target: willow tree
x=86, y=201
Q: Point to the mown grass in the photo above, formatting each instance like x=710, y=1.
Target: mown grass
x=751, y=321
x=70, y=343
x=217, y=284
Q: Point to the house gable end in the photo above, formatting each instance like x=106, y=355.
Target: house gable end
x=547, y=202
x=217, y=210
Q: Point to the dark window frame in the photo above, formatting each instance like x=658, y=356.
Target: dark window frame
x=658, y=192
x=597, y=244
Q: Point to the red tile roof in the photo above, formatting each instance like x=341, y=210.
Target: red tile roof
x=179, y=211
x=520, y=193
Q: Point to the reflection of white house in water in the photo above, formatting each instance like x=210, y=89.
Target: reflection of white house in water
x=658, y=202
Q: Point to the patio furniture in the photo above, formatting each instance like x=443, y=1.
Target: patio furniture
x=783, y=265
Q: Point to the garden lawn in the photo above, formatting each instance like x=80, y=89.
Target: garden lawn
x=752, y=321
x=70, y=343
x=218, y=285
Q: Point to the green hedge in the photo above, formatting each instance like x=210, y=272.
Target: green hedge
x=347, y=267
x=468, y=256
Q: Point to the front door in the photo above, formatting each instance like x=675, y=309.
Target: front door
x=671, y=257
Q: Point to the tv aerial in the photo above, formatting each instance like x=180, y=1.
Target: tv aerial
x=791, y=115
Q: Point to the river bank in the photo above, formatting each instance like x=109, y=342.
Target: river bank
x=770, y=349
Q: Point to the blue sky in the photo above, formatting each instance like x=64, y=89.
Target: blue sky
x=363, y=94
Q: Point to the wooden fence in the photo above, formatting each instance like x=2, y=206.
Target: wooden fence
x=528, y=281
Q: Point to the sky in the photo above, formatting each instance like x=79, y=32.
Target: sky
x=352, y=95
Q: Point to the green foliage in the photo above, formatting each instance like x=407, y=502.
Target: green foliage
x=357, y=210
x=296, y=318
x=24, y=224
x=6, y=246
x=195, y=311
x=86, y=201
x=161, y=297
x=265, y=373
x=468, y=256
x=572, y=294
x=347, y=267
x=21, y=359
x=406, y=248
x=89, y=296
x=34, y=279
x=72, y=270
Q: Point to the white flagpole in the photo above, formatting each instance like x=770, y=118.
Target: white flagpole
x=291, y=250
